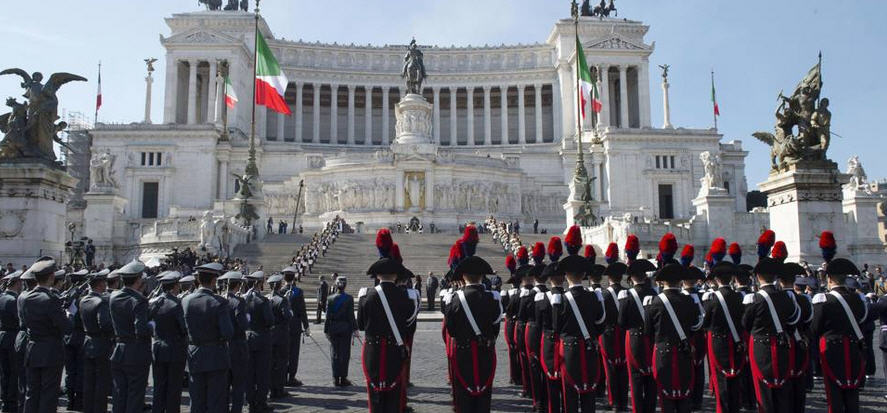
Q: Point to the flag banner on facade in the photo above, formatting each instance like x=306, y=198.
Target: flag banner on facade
x=270, y=80
x=98, y=96
x=714, y=99
x=230, y=94
x=587, y=83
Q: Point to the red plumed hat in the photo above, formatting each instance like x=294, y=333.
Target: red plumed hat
x=718, y=249
x=590, y=253
x=612, y=254
x=455, y=254
x=765, y=242
x=735, y=253
x=470, y=234
x=510, y=263
x=555, y=249
x=668, y=246
x=828, y=245
x=384, y=242
x=395, y=253
x=687, y=255
x=573, y=240
x=632, y=247
x=523, y=257
x=538, y=253
x=709, y=259
x=780, y=252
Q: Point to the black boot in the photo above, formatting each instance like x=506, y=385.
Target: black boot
x=344, y=382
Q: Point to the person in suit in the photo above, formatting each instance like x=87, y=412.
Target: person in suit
x=95, y=311
x=671, y=319
x=639, y=342
x=280, y=333
x=323, y=292
x=837, y=316
x=9, y=328
x=170, y=345
x=768, y=314
x=209, y=325
x=298, y=325
x=339, y=327
x=431, y=285
x=131, y=357
x=238, y=349
x=473, y=319
x=258, y=338
x=726, y=349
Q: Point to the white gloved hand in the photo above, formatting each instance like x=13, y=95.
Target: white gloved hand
x=72, y=310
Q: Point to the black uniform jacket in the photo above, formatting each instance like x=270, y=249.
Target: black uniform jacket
x=95, y=311
x=632, y=319
x=672, y=356
x=469, y=347
x=838, y=338
x=765, y=340
x=380, y=344
x=727, y=354
x=581, y=367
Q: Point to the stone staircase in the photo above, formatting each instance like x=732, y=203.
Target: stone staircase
x=274, y=252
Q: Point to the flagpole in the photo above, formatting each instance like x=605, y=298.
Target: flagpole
x=578, y=90
x=714, y=100
x=251, y=168
x=95, y=119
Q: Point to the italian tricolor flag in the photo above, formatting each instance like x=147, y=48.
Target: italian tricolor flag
x=270, y=80
x=587, y=84
x=714, y=99
x=230, y=94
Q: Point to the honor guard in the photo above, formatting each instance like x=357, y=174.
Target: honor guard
x=612, y=340
x=74, y=341
x=131, y=357
x=639, y=342
x=837, y=315
x=403, y=282
x=280, y=336
x=473, y=318
x=209, y=325
x=767, y=315
x=692, y=277
x=726, y=348
x=298, y=324
x=9, y=328
x=580, y=320
x=548, y=308
x=671, y=319
x=524, y=274
x=170, y=344
x=533, y=331
x=95, y=311
x=508, y=297
x=340, y=327
x=21, y=339
x=595, y=273
x=743, y=281
x=238, y=349
x=382, y=315
x=799, y=358
x=258, y=338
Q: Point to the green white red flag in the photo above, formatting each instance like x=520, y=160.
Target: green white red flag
x=587, y=83
x=714, y=99
x=230, y=93
x=270, y=80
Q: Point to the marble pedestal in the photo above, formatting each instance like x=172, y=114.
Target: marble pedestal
x=413, y=128
x=99, y=220
x=861, y=209
x=716, y=208
x=231, y=207
x=804, y=201
x=32, y=211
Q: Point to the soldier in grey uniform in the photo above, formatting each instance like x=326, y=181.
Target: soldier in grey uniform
x=41, y=313
x=298, y=324
x=209, y=329
x=95, y=313
x=238, y=349
x=258, y=338
x=170, y=345
x=9, y=327
x=280, y=334
x=131, y=358
x=21, y=339
x=74, y=341
x=340, y=326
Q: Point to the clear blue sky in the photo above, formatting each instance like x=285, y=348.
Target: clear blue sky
x=755, y=48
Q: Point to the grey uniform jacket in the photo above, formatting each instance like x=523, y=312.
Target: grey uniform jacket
x=129, y=315
x=40, y=312
x=209, y=328
x=95, y=311
x=170, y=335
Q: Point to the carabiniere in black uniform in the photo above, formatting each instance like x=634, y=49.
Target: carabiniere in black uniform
x=724, y=333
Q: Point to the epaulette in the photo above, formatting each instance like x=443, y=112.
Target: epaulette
x=554, y=298
x=362, y=292
x=648, y=299
x=622, y=294
x=496, y=295
x=748, y=299
x=819, y=298
x=447, y=298
x=707, y=295
x=539, y=297
x=155, y=299
x=442, y=292
x=513, y=291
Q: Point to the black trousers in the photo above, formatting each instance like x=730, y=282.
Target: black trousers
x=384, y=401
x=168, y=380
x=295, y=347
x=675, y=406
x=96, y=384
x=799, y=393
x=42, y=394
x=207, y=390
x=727, y=391
x=258, y=378
x=321, y=308
x=22, y=382
x=774, y=400
x=555, y=395
x=617, y=384
x=9, y=380
x=577, y=402
x=130, y=384
x=280, y=352
x=464, y=402
x=839, y=400
x=73, y=371
x=238, y=375
x=698, y=384
x=340, y=355
x=538, y=383
x=747, y=387
x=643, y=391
x=430, y=300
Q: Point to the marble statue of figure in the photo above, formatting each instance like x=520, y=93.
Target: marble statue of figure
x=207, y=230
x=414, y=190
x=101, y=171
x=858, y=177
x=712, y=166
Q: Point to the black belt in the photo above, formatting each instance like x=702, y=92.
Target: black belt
x=207, y=343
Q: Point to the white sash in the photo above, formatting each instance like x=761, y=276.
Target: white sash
x=468, y=313
x=614, y=296
x=730, y=324
x=390, y=316
x=772, y=309
x=578, y=315
x=637, y=301
x=849, y=313
x=673, y=316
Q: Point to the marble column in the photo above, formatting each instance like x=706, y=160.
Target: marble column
x=605, y=96
x=454, y=117
x=334, y=113
x=503, y=104
x=281, y=120
x=385, y=115
x=299, y=120
x=149, y=80
x=436, y=114
x=623, y=96
x=521, y=116
x=469, y=118
x=172, y=90
x=488, y=118
x=666, y=111
x=316, y=113
x=368, y=113
x=538, y=103
x=351, y=89
x=192, y=91
x=212, y=91
x=644, y=95
x=223, y=180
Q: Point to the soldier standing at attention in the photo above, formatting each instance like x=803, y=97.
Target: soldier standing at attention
x=340, y=326
x=9, y=327
x=548, y=308
x=298, y=324
x=209, y=328
x=639, y=341
x=131, y=358
x=726, y=357
x=258, y=338
x=237, y=346
x=74, y=341
x=323, y=292
x=533, y=330
x=280, y=333
x=612, y=339
x=170, y=346
x=95, y=311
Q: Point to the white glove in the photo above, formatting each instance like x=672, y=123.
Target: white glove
x=72, y=309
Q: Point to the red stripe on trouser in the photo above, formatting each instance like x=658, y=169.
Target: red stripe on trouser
x=474, y=367
x=713, y=377
x=774, y=356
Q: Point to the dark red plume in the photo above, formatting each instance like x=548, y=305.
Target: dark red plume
x=523, y=257
x=590, y=253
x=384, y=242
x=735, y=253
x=780, y=252
x=395, y=253
x=765, y=242
x=718, y=249
x=708, y=259
x=828, y=245
x=573, y=240
x=470, y=234
x=668, y=246
x=612, y=254
x=555, y=249
x=687, y=255
x=510, y=263
x=538, y=253
x=455, y=254
x=632, y=247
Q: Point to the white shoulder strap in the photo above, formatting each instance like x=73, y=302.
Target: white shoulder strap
x=730, y=324
x=849, y=313
x=468, y=313
x=575, y=308
x=637, y=301
x=673, y=316
x=391, y=323
x=772, y=308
